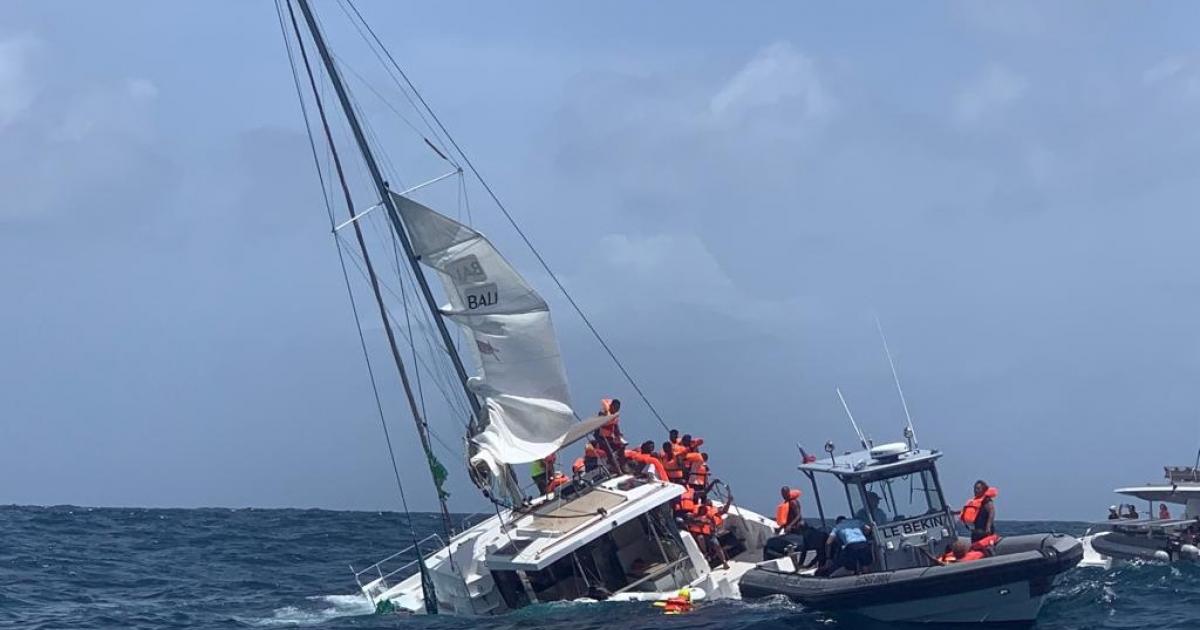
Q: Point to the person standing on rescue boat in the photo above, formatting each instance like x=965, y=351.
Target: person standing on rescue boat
x=979, y=513
x=787, y=514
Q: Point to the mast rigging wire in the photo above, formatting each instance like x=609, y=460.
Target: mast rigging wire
x=446, y=522
x=349, y=290
x=466, y=160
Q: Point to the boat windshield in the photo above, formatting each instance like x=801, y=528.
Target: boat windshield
x=898, y=498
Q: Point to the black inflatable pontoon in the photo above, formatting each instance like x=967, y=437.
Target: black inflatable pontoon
x=1005, y=587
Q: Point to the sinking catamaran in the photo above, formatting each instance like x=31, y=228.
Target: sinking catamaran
x=606, y=535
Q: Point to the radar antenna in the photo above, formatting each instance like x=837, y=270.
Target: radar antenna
x=909, y=431
x=861, y=438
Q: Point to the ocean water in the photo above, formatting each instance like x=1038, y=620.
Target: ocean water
x=72, y=567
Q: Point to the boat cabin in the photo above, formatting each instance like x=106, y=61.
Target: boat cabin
x=894, y=489
x=602, y=538
x=599, y=541
x=1183, y=489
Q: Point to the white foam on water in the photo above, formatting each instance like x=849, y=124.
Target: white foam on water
x=326, y=607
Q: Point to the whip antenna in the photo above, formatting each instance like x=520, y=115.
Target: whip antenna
x=896, y=379
x=861, y=438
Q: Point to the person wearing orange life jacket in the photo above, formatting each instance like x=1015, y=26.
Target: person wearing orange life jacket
x=611, y=431
x=979, y=514
x=672, y=463
x=578, y=466
x=646, y=460
x=960, y=551
x=788, y=518
x=697, y=471
x=686, y=503
x=557, y=480
x=704, y=523
x=690, y=443
x=594, y=457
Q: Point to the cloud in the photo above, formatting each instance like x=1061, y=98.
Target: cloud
x=1178, y=75
x=17, y=88
x=778, y=78
x=101, y=137
x=673, y=271
x=995, y=91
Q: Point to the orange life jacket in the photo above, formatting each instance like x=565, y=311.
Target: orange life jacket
x=698, y=476
x=673, y=469
x=783, y=510
x=649, y=460
x=687, y=501
x=697, y=471
x=948, y=557
x=985, y=543
x=715, y=516
x=556, y=482
x=971, y=509
x=578, y=466
x=701, y=522
x=610, y=429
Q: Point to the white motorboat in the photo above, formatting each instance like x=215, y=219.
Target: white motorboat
x=1151, y=539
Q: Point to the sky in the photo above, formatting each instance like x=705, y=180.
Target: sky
x=733, y=194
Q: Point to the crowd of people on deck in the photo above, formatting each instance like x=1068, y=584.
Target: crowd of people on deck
x=1129, y=512
x=679, y=461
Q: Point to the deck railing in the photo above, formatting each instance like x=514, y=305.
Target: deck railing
x=383, y=574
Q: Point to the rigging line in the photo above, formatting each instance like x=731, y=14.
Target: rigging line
x=382, y=98
x=466, y=199
x=446, y=522
x=444, y=151
x=423, y=321
x=354, y=258
x=449, y=379
x=454, y=403
x=346, y=276
x=474, y=171
x=408, y=323
x=374, y=139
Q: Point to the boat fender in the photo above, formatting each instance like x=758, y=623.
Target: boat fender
x=1162, y=556
x=1191, y=552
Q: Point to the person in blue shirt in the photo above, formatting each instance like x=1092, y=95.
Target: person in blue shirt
x=853, y=546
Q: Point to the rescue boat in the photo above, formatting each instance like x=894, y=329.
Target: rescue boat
x=1150, y=539
x=895, y=490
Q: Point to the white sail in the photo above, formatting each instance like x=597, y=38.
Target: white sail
x=521, y=378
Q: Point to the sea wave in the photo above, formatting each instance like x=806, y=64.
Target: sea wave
x=70, y=567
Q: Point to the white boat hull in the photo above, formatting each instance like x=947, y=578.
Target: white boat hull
x=463, y=572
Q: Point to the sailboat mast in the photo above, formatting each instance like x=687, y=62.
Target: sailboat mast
x=393, y=214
